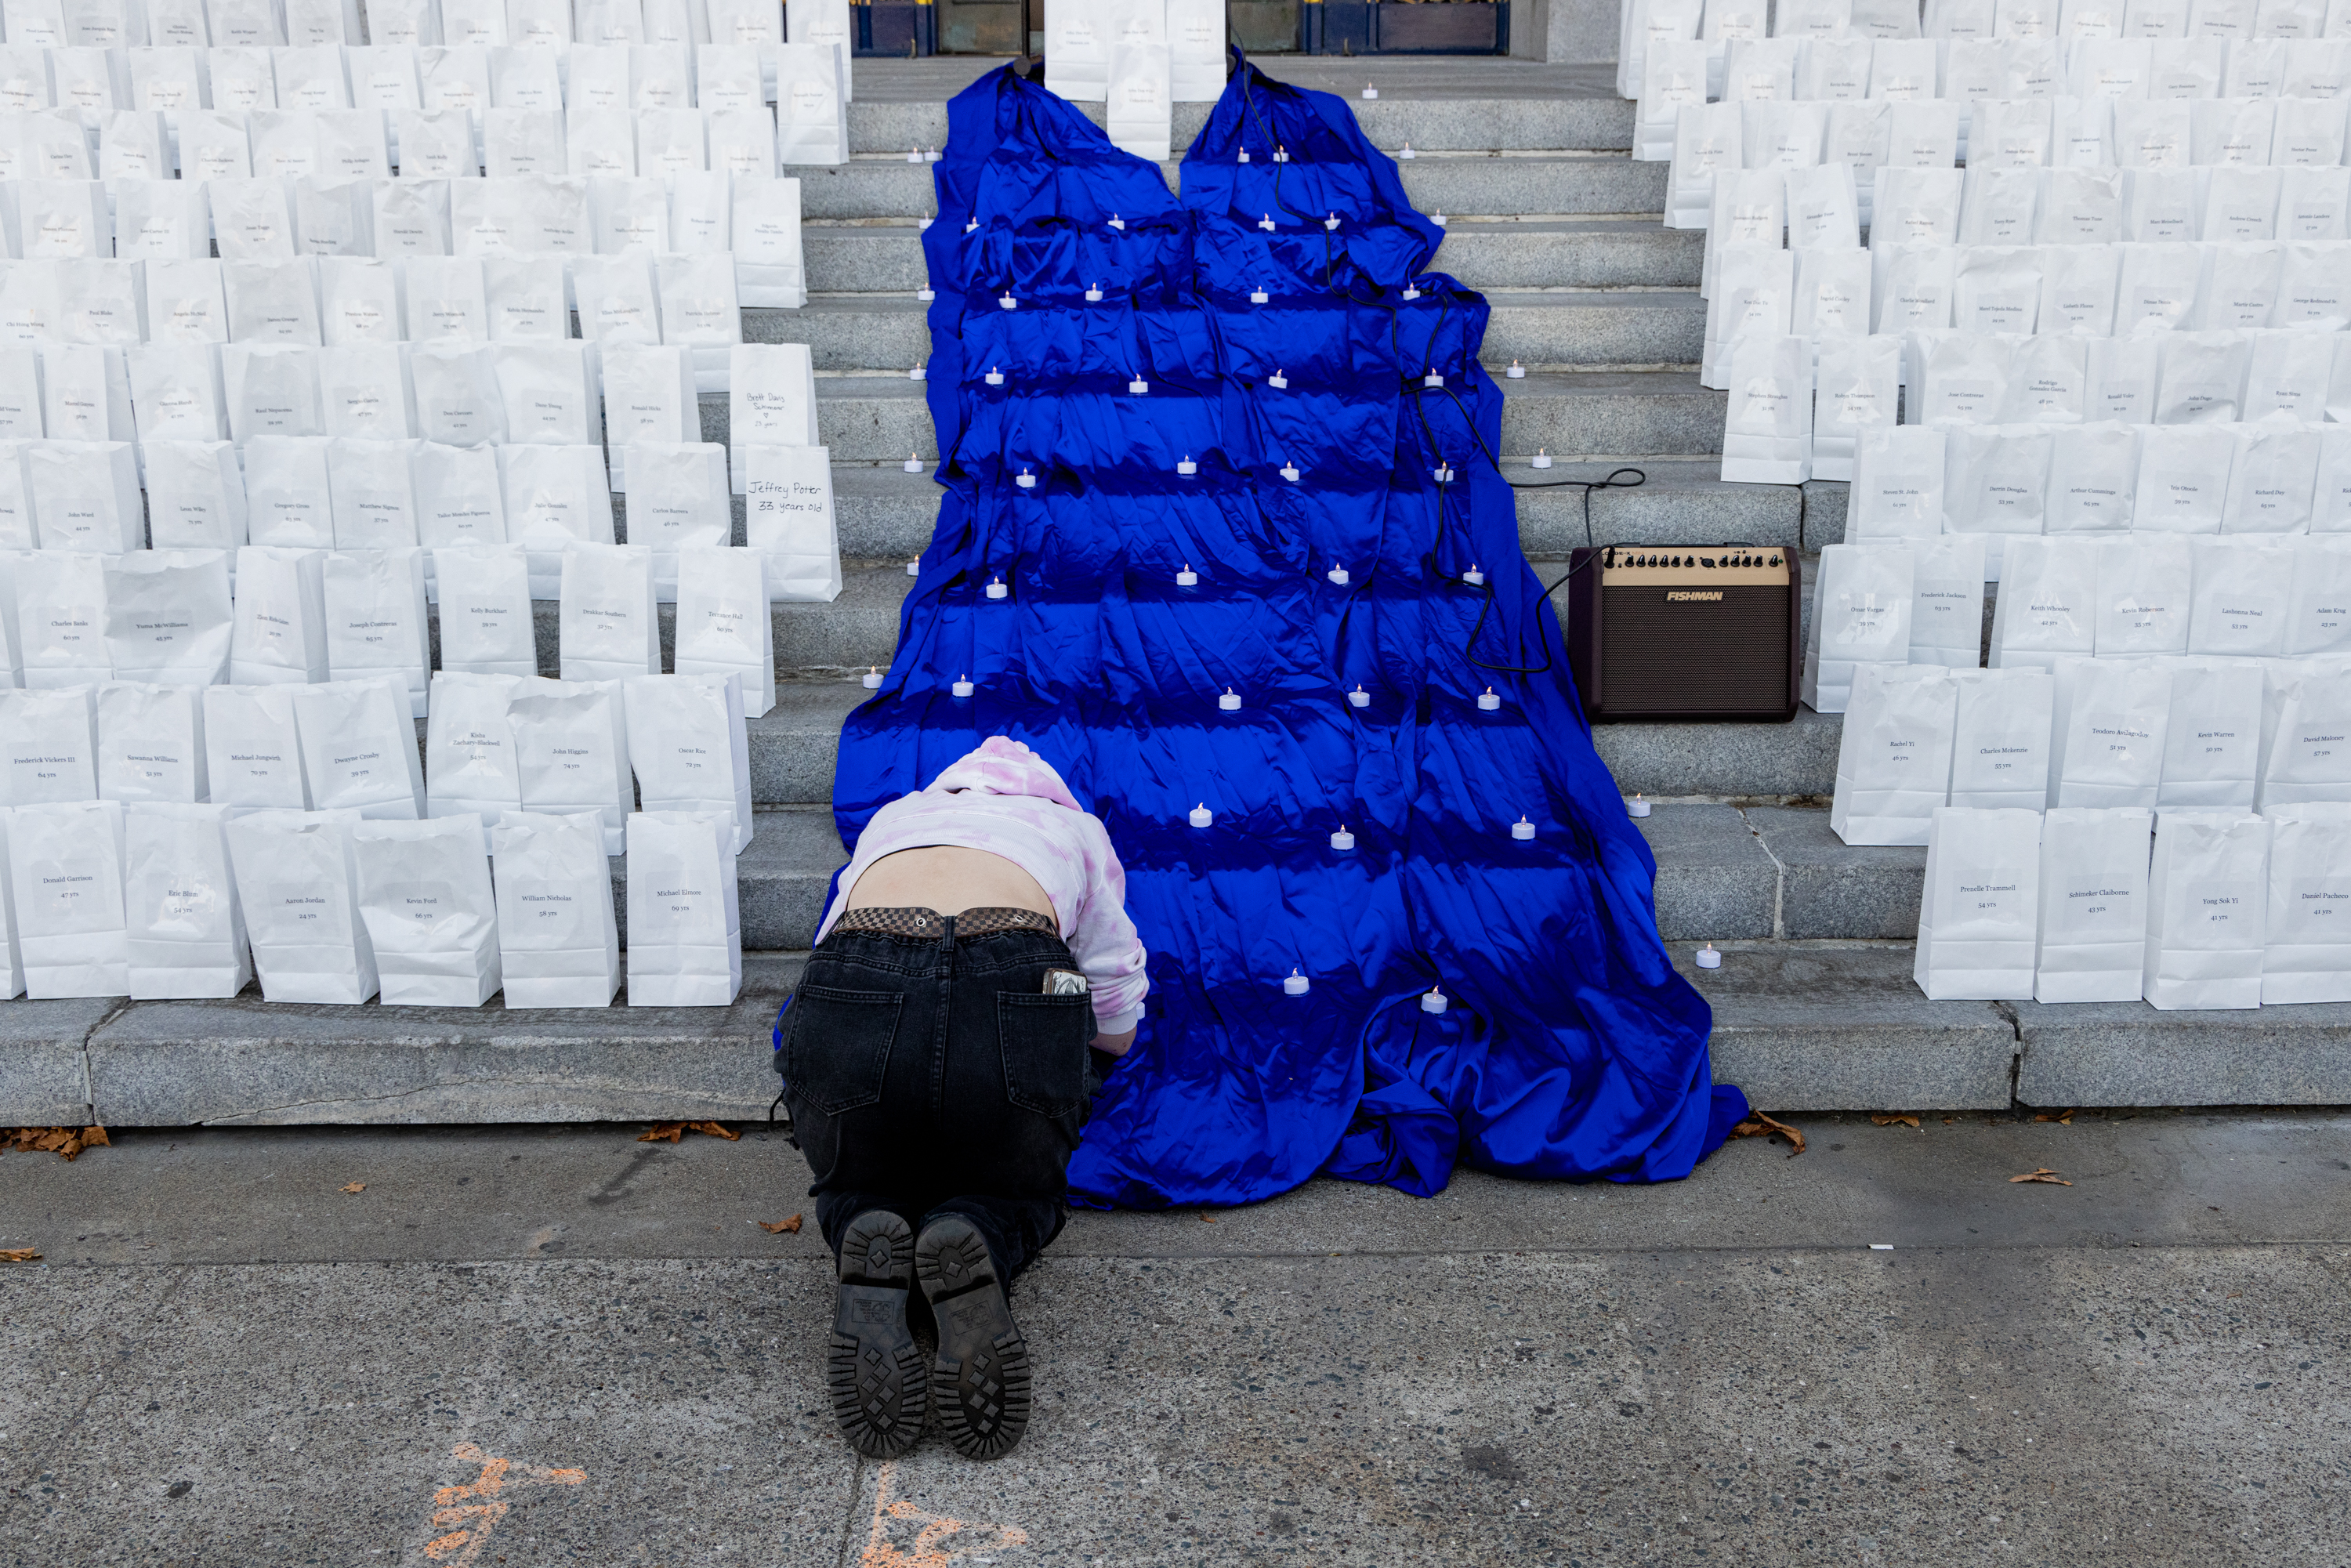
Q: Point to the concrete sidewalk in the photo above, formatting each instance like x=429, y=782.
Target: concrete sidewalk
x=226, y=1359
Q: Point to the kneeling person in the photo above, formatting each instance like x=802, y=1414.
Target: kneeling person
x=936, y=1061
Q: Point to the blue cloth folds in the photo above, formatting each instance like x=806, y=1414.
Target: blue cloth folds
x=1570, y=1047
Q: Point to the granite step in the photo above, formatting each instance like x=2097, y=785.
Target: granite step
x=1554, y=183
x=1563, y=328
x=1627, y=415
x=1485, y=105
x=1498, y=253
x=1799, y=1026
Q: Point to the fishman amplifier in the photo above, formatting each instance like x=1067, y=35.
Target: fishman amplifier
x=1673, y=632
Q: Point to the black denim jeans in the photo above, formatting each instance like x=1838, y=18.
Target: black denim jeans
x=937, y=1077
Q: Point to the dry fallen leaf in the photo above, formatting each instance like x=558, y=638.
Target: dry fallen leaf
x=2063, y=1118
x=663, y=1133
x=19, y=1255
x=1897, y=1119
x=63, y=1142
x=1760, y=1125
x=715, y=1129
x=356, y=1187
x=1208, y=1219
x=781, y=1227
x=2043, y=1174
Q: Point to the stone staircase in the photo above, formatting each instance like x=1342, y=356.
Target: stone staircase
x=1814, y=1006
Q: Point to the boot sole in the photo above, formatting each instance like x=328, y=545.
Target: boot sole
x=979, y=1384
x=873, y=1372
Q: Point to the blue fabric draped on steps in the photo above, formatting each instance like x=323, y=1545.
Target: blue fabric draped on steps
x=1331, y=556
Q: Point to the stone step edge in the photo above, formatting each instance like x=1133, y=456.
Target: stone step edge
x=1799, y=1027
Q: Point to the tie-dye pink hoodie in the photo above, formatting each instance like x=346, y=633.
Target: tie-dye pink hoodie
x=1007, y=801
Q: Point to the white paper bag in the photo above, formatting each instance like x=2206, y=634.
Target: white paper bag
x=151, y=742
x=618, y=305
x=1979, y=918
x=1767, y=437
x=2047, y=606
x=459, y=499
x=723, y=621
x=1078, y=39
x=789, y=518
x=175, y=392
x=376, y=625
x=469, y=748
x=2305, y=718
x=183, y=927
x=1140, y=99
x=371, y=491
x=525, y=299
x=48, y=741
x=556, y=497
x=1961, y=378
x=610, y=628
x=253, y=753
x=168, y=615
x=648, y=396
x=2000, y=739
x=288, y=497
x=559, y=939
x=689, y=746
x=812, y=109
x=447, y=302
x=297, y=882
x=85, y=496
x=1861, y=615
x=686, y=932
x=2318, y=611
x=1896, y=490
x=2288, y=375
x=2207, y=897
x=2144, y=594
x=2094, y=871
x=2211, y=753
x=770, y=272
x=2183, y=479
x=2307, y=938
x=280, y=629
x=550, y=392
x=2273, y=477
x=2093, y=479
x=485, y=612
x=424, y=896
x=273, y=389
x=2203, y=377
x=359, y=748
x=2109, y=726
x=195, y=495
x=571, y=750
x=1947, y=602
x=1894, y=754
x=458, y=399
x=65, y=869
x=2236, y=605
x=60, y=619
x=185, y=304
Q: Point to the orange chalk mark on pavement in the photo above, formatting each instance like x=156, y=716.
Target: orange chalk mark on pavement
x=928, y=1550
x=459, y=1504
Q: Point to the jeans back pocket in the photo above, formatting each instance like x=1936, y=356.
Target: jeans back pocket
x=1044, y=1041
x=839, y=1049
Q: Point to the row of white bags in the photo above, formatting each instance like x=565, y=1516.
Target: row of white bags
x=2273, y=476
x=453, y=396
x=1921, y=602
x=2252, y=33
x=333, y=144
x=637, y=298
x=70, y=26
x=281, y=217
x=2202, y=733
x=495, y=745
x=391, y=77
x=302, y=617
x=154, y=901
x=2284, y=303
x=2183, y=908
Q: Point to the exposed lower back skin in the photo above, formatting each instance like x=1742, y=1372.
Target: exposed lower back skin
x=950, y=880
